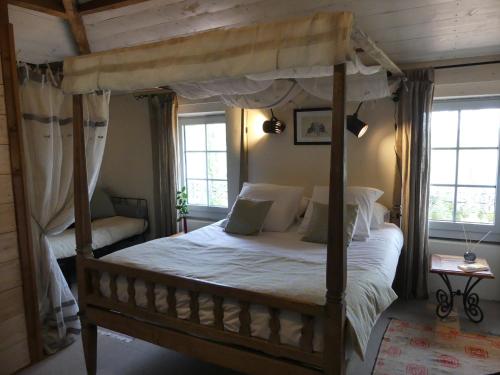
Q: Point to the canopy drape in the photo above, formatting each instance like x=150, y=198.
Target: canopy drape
x=47, y=120
x=283, y=48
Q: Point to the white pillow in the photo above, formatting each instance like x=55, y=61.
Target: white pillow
x=285, y=207
x=364, y=197
x=320, y=195
x=304, y=203
x=379, y=216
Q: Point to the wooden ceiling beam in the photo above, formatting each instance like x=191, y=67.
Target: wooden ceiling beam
x=95, y=6
x=362, y=40
x=77, y=27
x=52, y=7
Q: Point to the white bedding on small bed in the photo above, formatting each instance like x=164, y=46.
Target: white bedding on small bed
x=105, y=232
x=273, y=263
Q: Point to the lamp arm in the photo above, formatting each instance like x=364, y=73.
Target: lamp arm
x=357, y=109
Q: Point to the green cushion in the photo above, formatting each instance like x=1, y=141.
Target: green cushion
x=101, y=205
x=247, y=216
x=317, y=230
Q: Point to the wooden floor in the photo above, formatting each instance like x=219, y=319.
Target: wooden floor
x=119, y=355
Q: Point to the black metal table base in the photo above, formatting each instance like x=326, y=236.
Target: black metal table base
x=445, y=299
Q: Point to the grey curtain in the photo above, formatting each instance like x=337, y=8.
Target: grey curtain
x=412, y=184
x=163, y=120
x=243, y=149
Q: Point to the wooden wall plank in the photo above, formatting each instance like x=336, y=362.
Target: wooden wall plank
x=12, y=331
x=10, y=275
x=6, y=195
x=4, y=159
x=51, y=7
x=25, y=264
x=2, y=103
x=7, y=218
x=15, y=357
x=8, y=247
x=4, y=139
x=12, y=303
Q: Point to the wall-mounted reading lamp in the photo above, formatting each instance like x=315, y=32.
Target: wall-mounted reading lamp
x=355, y=125
x=273, y=126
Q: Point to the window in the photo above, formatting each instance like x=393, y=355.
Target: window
x=464, y=168
x=204, y=164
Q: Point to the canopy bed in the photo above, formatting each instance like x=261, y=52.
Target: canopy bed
x=125, y=294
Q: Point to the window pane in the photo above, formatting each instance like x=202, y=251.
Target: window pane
x=477, y=167
x=476, y=205
x=217, y=165
x=197, y=192
x=479, y=127
x=196, y=165
x=195, y=137
x=444, y=126
x=216, y=137
x=443, y=166
x=441, y=203
x=217, y=193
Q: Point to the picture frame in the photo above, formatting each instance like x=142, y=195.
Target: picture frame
x=312, y=126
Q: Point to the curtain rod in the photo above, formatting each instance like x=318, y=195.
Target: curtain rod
x=467, y=64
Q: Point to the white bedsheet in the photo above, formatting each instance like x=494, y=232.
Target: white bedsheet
x=273, y=263
x=105, y=232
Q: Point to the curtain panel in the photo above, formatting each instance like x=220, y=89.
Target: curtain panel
x=163, y=121
x=47, y=124
x=412, y=184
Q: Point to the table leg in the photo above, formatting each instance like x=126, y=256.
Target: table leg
x=444, y=299
x=471, y=302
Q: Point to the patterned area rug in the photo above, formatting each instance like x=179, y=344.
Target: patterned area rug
x=420, y=349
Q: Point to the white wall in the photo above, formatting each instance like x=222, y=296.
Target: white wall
x=370, y=160
x=127, y=164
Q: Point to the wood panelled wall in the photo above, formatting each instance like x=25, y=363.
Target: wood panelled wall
x=14, y=349
x=20, y=333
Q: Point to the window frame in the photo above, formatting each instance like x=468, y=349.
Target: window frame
x=198, y=211
x=454, y=230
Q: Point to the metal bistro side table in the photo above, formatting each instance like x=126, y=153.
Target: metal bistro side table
x=445, y=265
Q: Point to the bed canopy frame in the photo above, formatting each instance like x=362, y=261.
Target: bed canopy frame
x=287, y=47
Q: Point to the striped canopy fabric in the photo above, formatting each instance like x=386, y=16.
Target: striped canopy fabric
x=284, y=47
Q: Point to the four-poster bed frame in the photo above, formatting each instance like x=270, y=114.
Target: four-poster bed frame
x=236, y=350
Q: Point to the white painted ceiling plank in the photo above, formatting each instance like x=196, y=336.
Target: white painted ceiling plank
x=128, y=10
x=165, y=14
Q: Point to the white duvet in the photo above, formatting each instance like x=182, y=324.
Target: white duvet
x=105, y=232
x=273, y=263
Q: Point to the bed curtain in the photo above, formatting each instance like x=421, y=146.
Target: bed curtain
x=47, y=124
x=412, y=185
x=163, y=120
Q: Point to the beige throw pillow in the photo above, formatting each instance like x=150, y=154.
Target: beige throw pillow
x=317, y=230
x=247, y=216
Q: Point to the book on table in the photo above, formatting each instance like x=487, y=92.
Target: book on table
x=474, y=267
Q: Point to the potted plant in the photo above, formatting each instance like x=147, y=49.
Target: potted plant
x=182, y=207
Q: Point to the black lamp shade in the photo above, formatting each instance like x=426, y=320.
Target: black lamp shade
x=273, y=126
x=356, y=126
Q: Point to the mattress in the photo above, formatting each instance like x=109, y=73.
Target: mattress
x=274, y=263
x=105, y=232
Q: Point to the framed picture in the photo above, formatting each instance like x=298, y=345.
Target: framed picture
x=312, y=126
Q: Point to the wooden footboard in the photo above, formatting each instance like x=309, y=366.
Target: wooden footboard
x=130, y=318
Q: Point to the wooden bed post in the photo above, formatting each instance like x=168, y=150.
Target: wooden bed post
x=83, y=232
x=336, y=264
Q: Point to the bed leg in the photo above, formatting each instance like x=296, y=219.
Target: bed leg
x=89, y=340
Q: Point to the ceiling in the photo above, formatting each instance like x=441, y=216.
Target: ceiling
x=409, y=31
